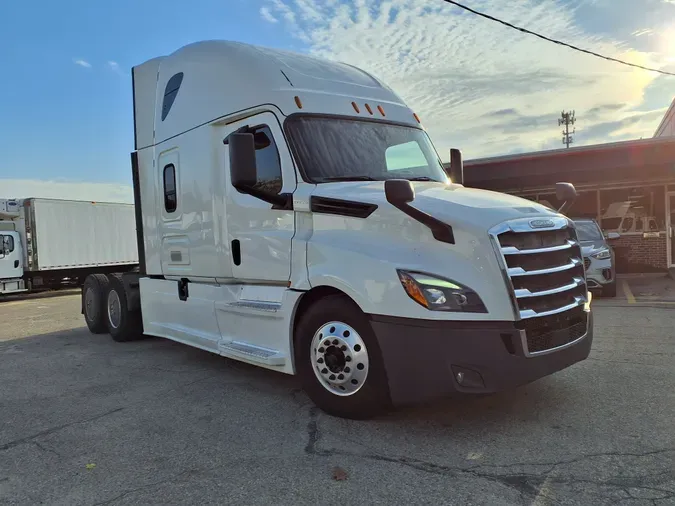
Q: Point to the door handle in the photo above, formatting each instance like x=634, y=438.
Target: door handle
x=236, y=252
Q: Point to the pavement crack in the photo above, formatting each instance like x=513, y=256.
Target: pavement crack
x=526, y=484
x=46, y=432
x=46, y=449
x=313, y=431
x=552, y=465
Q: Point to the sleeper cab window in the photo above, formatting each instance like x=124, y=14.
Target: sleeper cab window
x=267, y=160
x=170, y=197
x=170, y=93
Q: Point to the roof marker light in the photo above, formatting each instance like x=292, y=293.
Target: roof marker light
x=356, y=107
x=369, y=109
x=417, y=117
x=298, y=102
x=379, y=108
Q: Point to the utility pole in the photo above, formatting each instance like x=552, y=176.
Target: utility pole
x=567, y=119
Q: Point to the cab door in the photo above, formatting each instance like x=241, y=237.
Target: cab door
x=11, y=263
x=259, y=237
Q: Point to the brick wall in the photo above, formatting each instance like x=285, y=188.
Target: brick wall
x=635, y=253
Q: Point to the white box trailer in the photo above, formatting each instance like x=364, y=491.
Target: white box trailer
x=49, y=242
x=293, y=213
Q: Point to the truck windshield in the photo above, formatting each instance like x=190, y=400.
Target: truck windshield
x=330, y=149
x=588, y=231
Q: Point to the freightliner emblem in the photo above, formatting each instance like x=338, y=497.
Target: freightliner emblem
x=541, y=223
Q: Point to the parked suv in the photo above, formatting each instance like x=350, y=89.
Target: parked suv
x=598, y=256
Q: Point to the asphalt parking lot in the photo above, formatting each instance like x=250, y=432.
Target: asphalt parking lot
x=86, y=421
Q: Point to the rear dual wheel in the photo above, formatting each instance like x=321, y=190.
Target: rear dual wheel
x=339, y=360
x=93, y=302
x=123, y=325
x=104, y=304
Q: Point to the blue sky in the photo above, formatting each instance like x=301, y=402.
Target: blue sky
x=65, y=96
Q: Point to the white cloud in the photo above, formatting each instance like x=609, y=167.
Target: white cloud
x=459, y=71
x=644, y=31
x=82, y=63
x=267, y=15
x=64, y=189
x=115, y=67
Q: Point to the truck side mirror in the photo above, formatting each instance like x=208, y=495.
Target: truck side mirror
x=243, y=170
x=399, y=191
x=456, y=166
x=567, y=193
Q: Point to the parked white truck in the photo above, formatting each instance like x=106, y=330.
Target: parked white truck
x=45, y=243
x=293, y=213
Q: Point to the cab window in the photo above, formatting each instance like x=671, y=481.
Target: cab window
x=406, y=156
x=170, y=196
x=7, y=242
x=267, y=161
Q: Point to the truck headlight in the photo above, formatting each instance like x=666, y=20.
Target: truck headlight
x=437, y=294
x=603, y=254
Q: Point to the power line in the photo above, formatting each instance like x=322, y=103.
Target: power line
x=548, y=39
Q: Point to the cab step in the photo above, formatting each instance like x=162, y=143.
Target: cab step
x=252, y=353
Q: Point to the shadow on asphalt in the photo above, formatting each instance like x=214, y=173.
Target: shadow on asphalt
x=547, y=395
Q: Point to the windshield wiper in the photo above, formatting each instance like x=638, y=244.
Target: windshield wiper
x=421, y=178
x=349, y=178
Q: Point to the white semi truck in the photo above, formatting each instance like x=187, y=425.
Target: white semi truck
x=46, y=243
x=292, y=213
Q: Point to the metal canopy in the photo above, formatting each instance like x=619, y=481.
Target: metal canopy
x=639, y=161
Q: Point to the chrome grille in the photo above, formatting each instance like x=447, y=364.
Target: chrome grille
x=553, y=331
x=544, y=269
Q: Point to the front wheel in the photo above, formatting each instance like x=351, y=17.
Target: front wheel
x=339, y=361
x=609, y=290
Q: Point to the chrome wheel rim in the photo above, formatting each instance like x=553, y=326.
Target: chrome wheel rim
x=339, y=358
x=114, y=309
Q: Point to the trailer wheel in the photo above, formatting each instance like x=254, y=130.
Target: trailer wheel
x=123, y=325
x=339, y=361
x=94, y=292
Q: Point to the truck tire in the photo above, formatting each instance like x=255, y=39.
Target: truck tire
x=123, y=325
x=609, y=290
x=93, y=302
x=339, y=361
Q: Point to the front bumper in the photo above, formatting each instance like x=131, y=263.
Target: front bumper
x=600, y=272
x=424, y=359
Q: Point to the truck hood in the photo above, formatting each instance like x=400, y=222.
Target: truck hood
x=589, y=247
x=452, y=203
